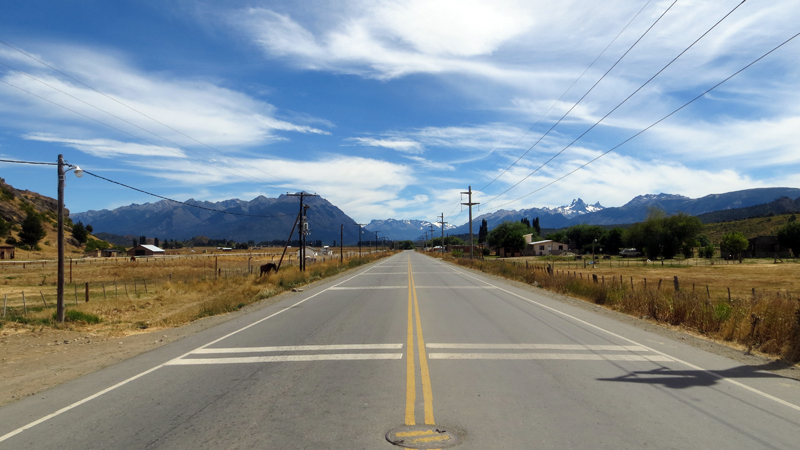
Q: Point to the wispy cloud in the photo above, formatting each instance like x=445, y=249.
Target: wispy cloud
x=401, y=145
x=208, y=113
x=108, y=148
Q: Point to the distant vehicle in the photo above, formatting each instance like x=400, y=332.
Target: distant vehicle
x=626, y=252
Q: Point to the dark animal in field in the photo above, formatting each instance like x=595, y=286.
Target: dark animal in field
x=133, y=258
x=267, y=267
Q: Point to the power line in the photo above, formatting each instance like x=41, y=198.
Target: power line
x=584, y=95
x=658, y=121
x=28, y=162
x=560, y=98
x=183, y=203
x=119, y=102
x=621, y=103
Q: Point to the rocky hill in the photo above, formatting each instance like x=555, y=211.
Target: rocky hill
x=15, y=204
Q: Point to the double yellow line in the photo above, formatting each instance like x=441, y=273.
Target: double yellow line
x=411, y=378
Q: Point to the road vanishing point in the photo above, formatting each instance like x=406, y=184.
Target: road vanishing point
x=412, y=352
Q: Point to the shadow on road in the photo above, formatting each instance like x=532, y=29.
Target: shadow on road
x=681, y=379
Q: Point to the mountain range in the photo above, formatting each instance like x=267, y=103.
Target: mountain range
x=267, y=219
x=260, y=219
x=635, y=210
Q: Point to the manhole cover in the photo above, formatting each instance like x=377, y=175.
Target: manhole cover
x=422, y=436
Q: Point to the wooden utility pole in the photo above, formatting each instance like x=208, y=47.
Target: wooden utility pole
x=376, y=241
x=443, y=223
x=303, y=227
x=341, y=245
x=60, y=310
x=288, y=241
x=469, y=203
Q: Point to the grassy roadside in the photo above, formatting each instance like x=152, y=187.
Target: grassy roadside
x=151, y=296
x=766, y=322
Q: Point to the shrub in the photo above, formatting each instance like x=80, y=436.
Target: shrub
x=73, y=315
x=32, y=230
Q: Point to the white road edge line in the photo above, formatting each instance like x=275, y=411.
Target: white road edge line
x=297, y=348
x=124, y=382
x=550, y=356
x=286, y=358
x=579, y=347
x=688, y=364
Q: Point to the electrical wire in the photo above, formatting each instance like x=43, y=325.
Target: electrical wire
x=586, y=94
x=659, y=120
x=184, y=203
x=560, y=98
x=29, y=162
x=620, y=104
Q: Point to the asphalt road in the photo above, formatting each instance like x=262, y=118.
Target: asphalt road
x=451, y=356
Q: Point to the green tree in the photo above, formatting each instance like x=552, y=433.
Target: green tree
x=679, y=230
x=406, y=245
x=508, y=235
x=735, y=243
x=80, y=233
x=789, y=237
x=582, y=236
x=707, y=251
x=5, y=227
x=90, y=229
x=525, y=221
x=612, y=240
x=536, y=227
x=483, y=231
x=32, y=230
x=703, y=240
x=135, y=242
x=156, y=242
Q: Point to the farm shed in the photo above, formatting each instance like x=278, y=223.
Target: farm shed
x=547, y=247
x=7, y=251
x=146, y=250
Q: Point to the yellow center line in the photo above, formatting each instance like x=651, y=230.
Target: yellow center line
x=427, y=391
x=411, y=388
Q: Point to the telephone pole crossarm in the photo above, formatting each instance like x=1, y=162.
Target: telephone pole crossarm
x=470, y=204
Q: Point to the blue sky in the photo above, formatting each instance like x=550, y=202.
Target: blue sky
x=391, y=109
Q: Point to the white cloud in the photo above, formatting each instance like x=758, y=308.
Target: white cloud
x=208, y=113
x=108, y=148
x=359, y=186
x=401, y=145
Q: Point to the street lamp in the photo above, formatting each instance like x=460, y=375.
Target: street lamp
x=60, y=311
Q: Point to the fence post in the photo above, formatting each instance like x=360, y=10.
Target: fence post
x=145, y=285
x=135, y=287
x=104, y=290
x=5, y=302
x=126, y=289
x=24, y=307
x=645, y=283
x=754, y=293
x=632, y=288
x=45, y=303
x=659, y=281
x=675, y=281
x=594, y=277
x=729, y=295
x=87, y=292
x=708, y=292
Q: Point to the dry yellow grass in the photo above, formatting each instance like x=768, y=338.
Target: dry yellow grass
x=152, y=293
x=767, y=320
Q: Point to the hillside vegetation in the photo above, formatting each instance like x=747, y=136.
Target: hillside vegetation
x=759, y=226
x=15, y=206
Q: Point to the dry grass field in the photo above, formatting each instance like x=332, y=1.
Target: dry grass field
x=762, y=311
x=127, y=297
